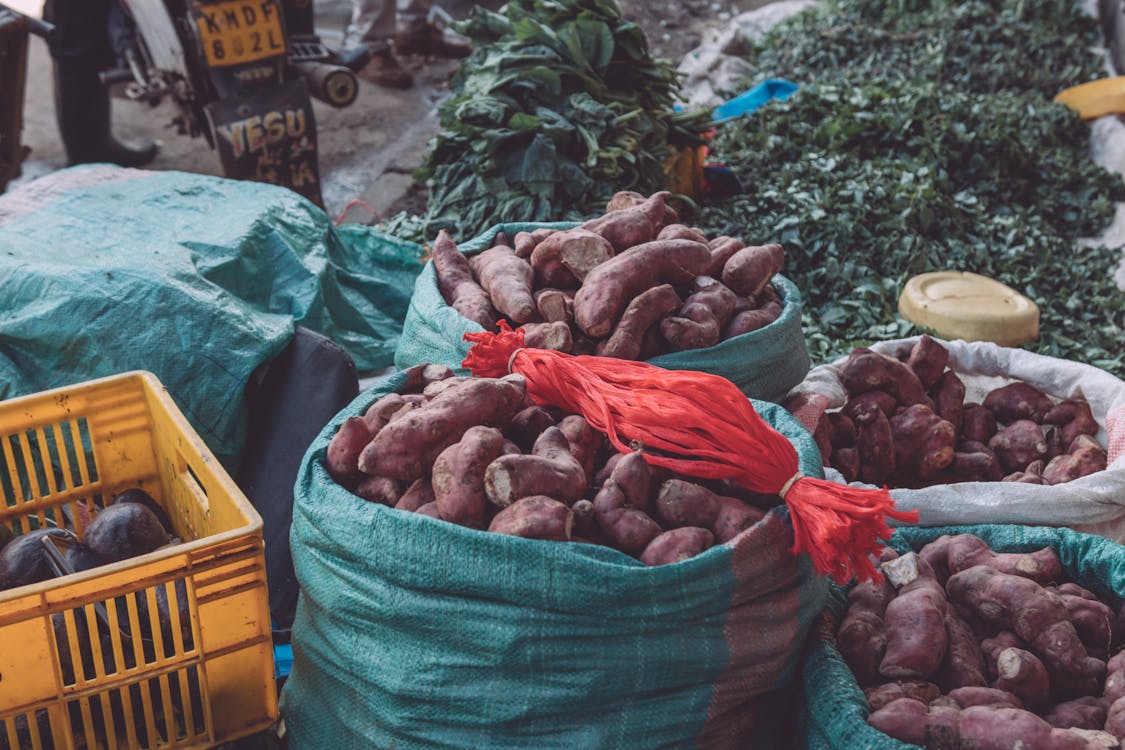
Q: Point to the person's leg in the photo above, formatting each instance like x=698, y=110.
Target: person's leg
x=416, y=35
x=80, y=49
x=372, y=26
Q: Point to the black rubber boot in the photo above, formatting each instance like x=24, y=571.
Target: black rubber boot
x=80, y=48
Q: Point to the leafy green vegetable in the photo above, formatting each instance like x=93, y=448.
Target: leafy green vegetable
x=925, y=140
x=558, y=107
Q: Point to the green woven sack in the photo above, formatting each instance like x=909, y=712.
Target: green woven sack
x=416, y=633
x=764, y=364
x=833, y=711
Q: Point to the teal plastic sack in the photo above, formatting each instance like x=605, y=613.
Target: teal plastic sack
x=195, y=278
x=416, y=633
x=833, y=711
x=764, y=364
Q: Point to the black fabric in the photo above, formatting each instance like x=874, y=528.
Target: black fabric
x=289, y=401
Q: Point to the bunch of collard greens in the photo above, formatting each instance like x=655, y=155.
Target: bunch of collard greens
x=925, y=139
x=559, y=106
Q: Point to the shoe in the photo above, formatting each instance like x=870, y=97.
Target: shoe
x=384, y=69
x=432, y=40
x=82, y=108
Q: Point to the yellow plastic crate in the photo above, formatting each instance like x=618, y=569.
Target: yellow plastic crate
x=86, y=662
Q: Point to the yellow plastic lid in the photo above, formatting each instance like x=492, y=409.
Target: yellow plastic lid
x=962, y=305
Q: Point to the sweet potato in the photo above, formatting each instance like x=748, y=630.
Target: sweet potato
x=535, y=517
x=1022, y=674
x=551, y=304
x=458, y=476
x=751, y=268
x=643, y=313
x=1036, y=615
x=1081, y=713
x=1017, y=401
x=916, y=636
x=875, y=446
x=420, y=493
x=911, y=720
x=751, y=320
x=429, y=509
x=382, y=490
x=527, y=425
x=722, y=248
x=681, y=232
x=1115, y=678
x=432, y=390
x=991, y=648
x=342, y=455
x=420, y=376
x=995, y=727
x=919, y=690
x=629, y=198
x=508, y=280
x=676, y=545
x=846, y=461
x=699, y=323
x=928, y=359
x=923, y=441
x=1115, y=719
x=1093, y=620
x=627, y=529
x=550, y=470
x=1071, y=466
x=585, y=520
x=455, y=281
x=977, y=466
x=953, y=553
x=683, y=503
x=632, y=226
x=1018, y=444
x=865, y=402
x=578, y=250
x=524, y=242
x=862, y=636
x=554, y=336
x=964, y=662
x=406, y=448
x=609, y=287
x=385, y=407
x=585, y=442
x=984, y=696
x=948, y=395
x=1074, y=418
x=866, y=370
x=977, y=423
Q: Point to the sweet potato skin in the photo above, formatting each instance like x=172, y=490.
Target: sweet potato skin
x=923, y=441
x=928, y=359
x=1074, y=418
x=455, y=281
x=577, y=250
x=406, y=448
x=984, y=696
x=507, y=279
x=342, y=455
x=875, y=446
x=1022, y=674
x=917, y=639
x=948, y=395
x=551, y=470
x=919, y=690
x=609, y=287
x=964, y=662
x=1019, y=444
x=865, y=370
x=642, y=313
x=458, y=476
x=676, y=545
x=1017, y=401
x=631, y=226
x=1081, y=713
x=751, y=268
x=977, y=423
x=534, y=517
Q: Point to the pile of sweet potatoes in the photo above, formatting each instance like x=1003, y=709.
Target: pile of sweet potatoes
x=906, y=424
x=962, y=647
x=476, y=452
x=631, y=284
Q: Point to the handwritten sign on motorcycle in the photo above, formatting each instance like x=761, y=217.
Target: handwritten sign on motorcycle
x=234, y=32
x=269, y=138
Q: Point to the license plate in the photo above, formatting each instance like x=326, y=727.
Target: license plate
x=239, y=31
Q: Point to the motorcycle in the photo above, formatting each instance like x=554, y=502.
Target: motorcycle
x=241, y=73
x=15, y=28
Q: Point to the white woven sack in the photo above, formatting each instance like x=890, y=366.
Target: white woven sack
x=1094, y=504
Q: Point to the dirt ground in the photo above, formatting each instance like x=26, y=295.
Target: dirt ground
x=367, y=150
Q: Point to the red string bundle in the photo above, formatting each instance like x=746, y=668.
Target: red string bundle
x=702, y=426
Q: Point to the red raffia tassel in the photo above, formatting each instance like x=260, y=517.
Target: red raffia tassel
x=702, y=426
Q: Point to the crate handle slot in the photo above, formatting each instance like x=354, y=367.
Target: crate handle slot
x=194, y=484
